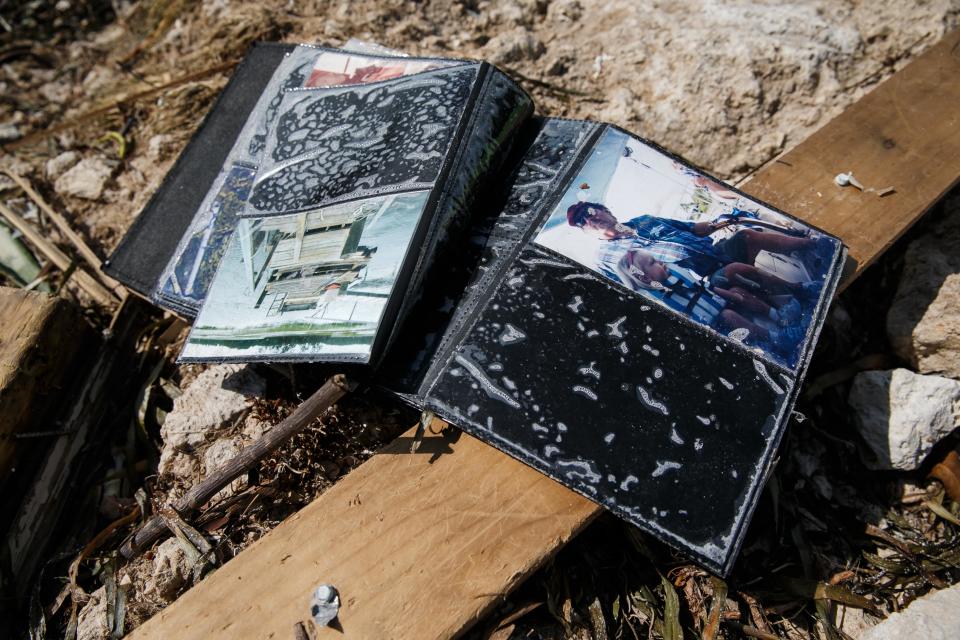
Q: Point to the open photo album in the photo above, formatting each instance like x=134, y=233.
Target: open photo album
x=570, y=293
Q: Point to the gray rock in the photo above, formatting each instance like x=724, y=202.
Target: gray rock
x=902, y=415
x=170, y=571
x=216, y=457
x=923, y=323
x=216, y=399
x=9, y=132
x=513, y=46
x=935, y=616
x=57, y=166
x=92, y=620
x=86, y=179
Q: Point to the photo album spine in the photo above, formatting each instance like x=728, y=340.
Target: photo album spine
x=141, y=257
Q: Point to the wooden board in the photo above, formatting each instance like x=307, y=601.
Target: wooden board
x=419, y=546
x=905, y=134
x=422, y=550
x=36, y=354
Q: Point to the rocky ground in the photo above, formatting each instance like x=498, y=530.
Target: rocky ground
x=98, y=98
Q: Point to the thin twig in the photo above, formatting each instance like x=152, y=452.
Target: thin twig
x=84, y=280
x=321, y=400
x=61, y=223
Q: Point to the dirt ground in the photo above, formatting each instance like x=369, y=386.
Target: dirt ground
x=728, y=85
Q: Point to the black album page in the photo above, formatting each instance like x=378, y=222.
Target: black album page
x=641, y=337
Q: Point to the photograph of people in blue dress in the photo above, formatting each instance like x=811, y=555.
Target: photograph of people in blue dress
x=687, y=242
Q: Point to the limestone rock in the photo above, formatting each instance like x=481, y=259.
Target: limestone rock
x=214, y=400
x=902, y=415
x=935, y=616
x=92, y=620
x=170, y=571
x=513, y=46
x=86, y=179
x=9, y=132
x=216, y=457
x=57, y=166
x=923, y=323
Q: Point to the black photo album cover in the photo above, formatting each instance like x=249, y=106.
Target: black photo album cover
x=567, y=292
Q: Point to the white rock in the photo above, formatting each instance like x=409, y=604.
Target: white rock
x=56, y=167
x=92, y=620
x=854, y=622
x=8, y=132
x=902, y=415
x=216, y=457
x=159, y=146
x=923, y=323
x=513, y=46
x=86, y=179
x=216, y=399
x=935, y=616
x=170, y=571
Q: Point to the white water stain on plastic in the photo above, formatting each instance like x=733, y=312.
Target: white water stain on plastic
x=654, y=404
x=726, y=383
x=488, y=385
x=765, y=376
x=625, y=485
x=589, y=370
x=675, y=437
x=651, y=350
x=579, y=469
x=608, y=438
x=585, y=391
x=511, y=335
x=663, y=466
x=575, y=304
x=613, y=328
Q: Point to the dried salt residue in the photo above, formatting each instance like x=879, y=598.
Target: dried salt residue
x=614, y=327
x=586, y=471
x=511, y=335
x=765, y=376
x=663, y=466
x=625, y=485
x=675, y=437
x=486, y=383
x=589, y=370
x=546, y=263
x=575, y=304
x=644, y=396
x=585, y=391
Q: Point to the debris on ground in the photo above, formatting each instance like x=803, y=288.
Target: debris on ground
x=835, y=546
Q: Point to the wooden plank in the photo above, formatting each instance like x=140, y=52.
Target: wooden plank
x=905, y=134
x=422, y=549
x=419, y=546
x=37, y=348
